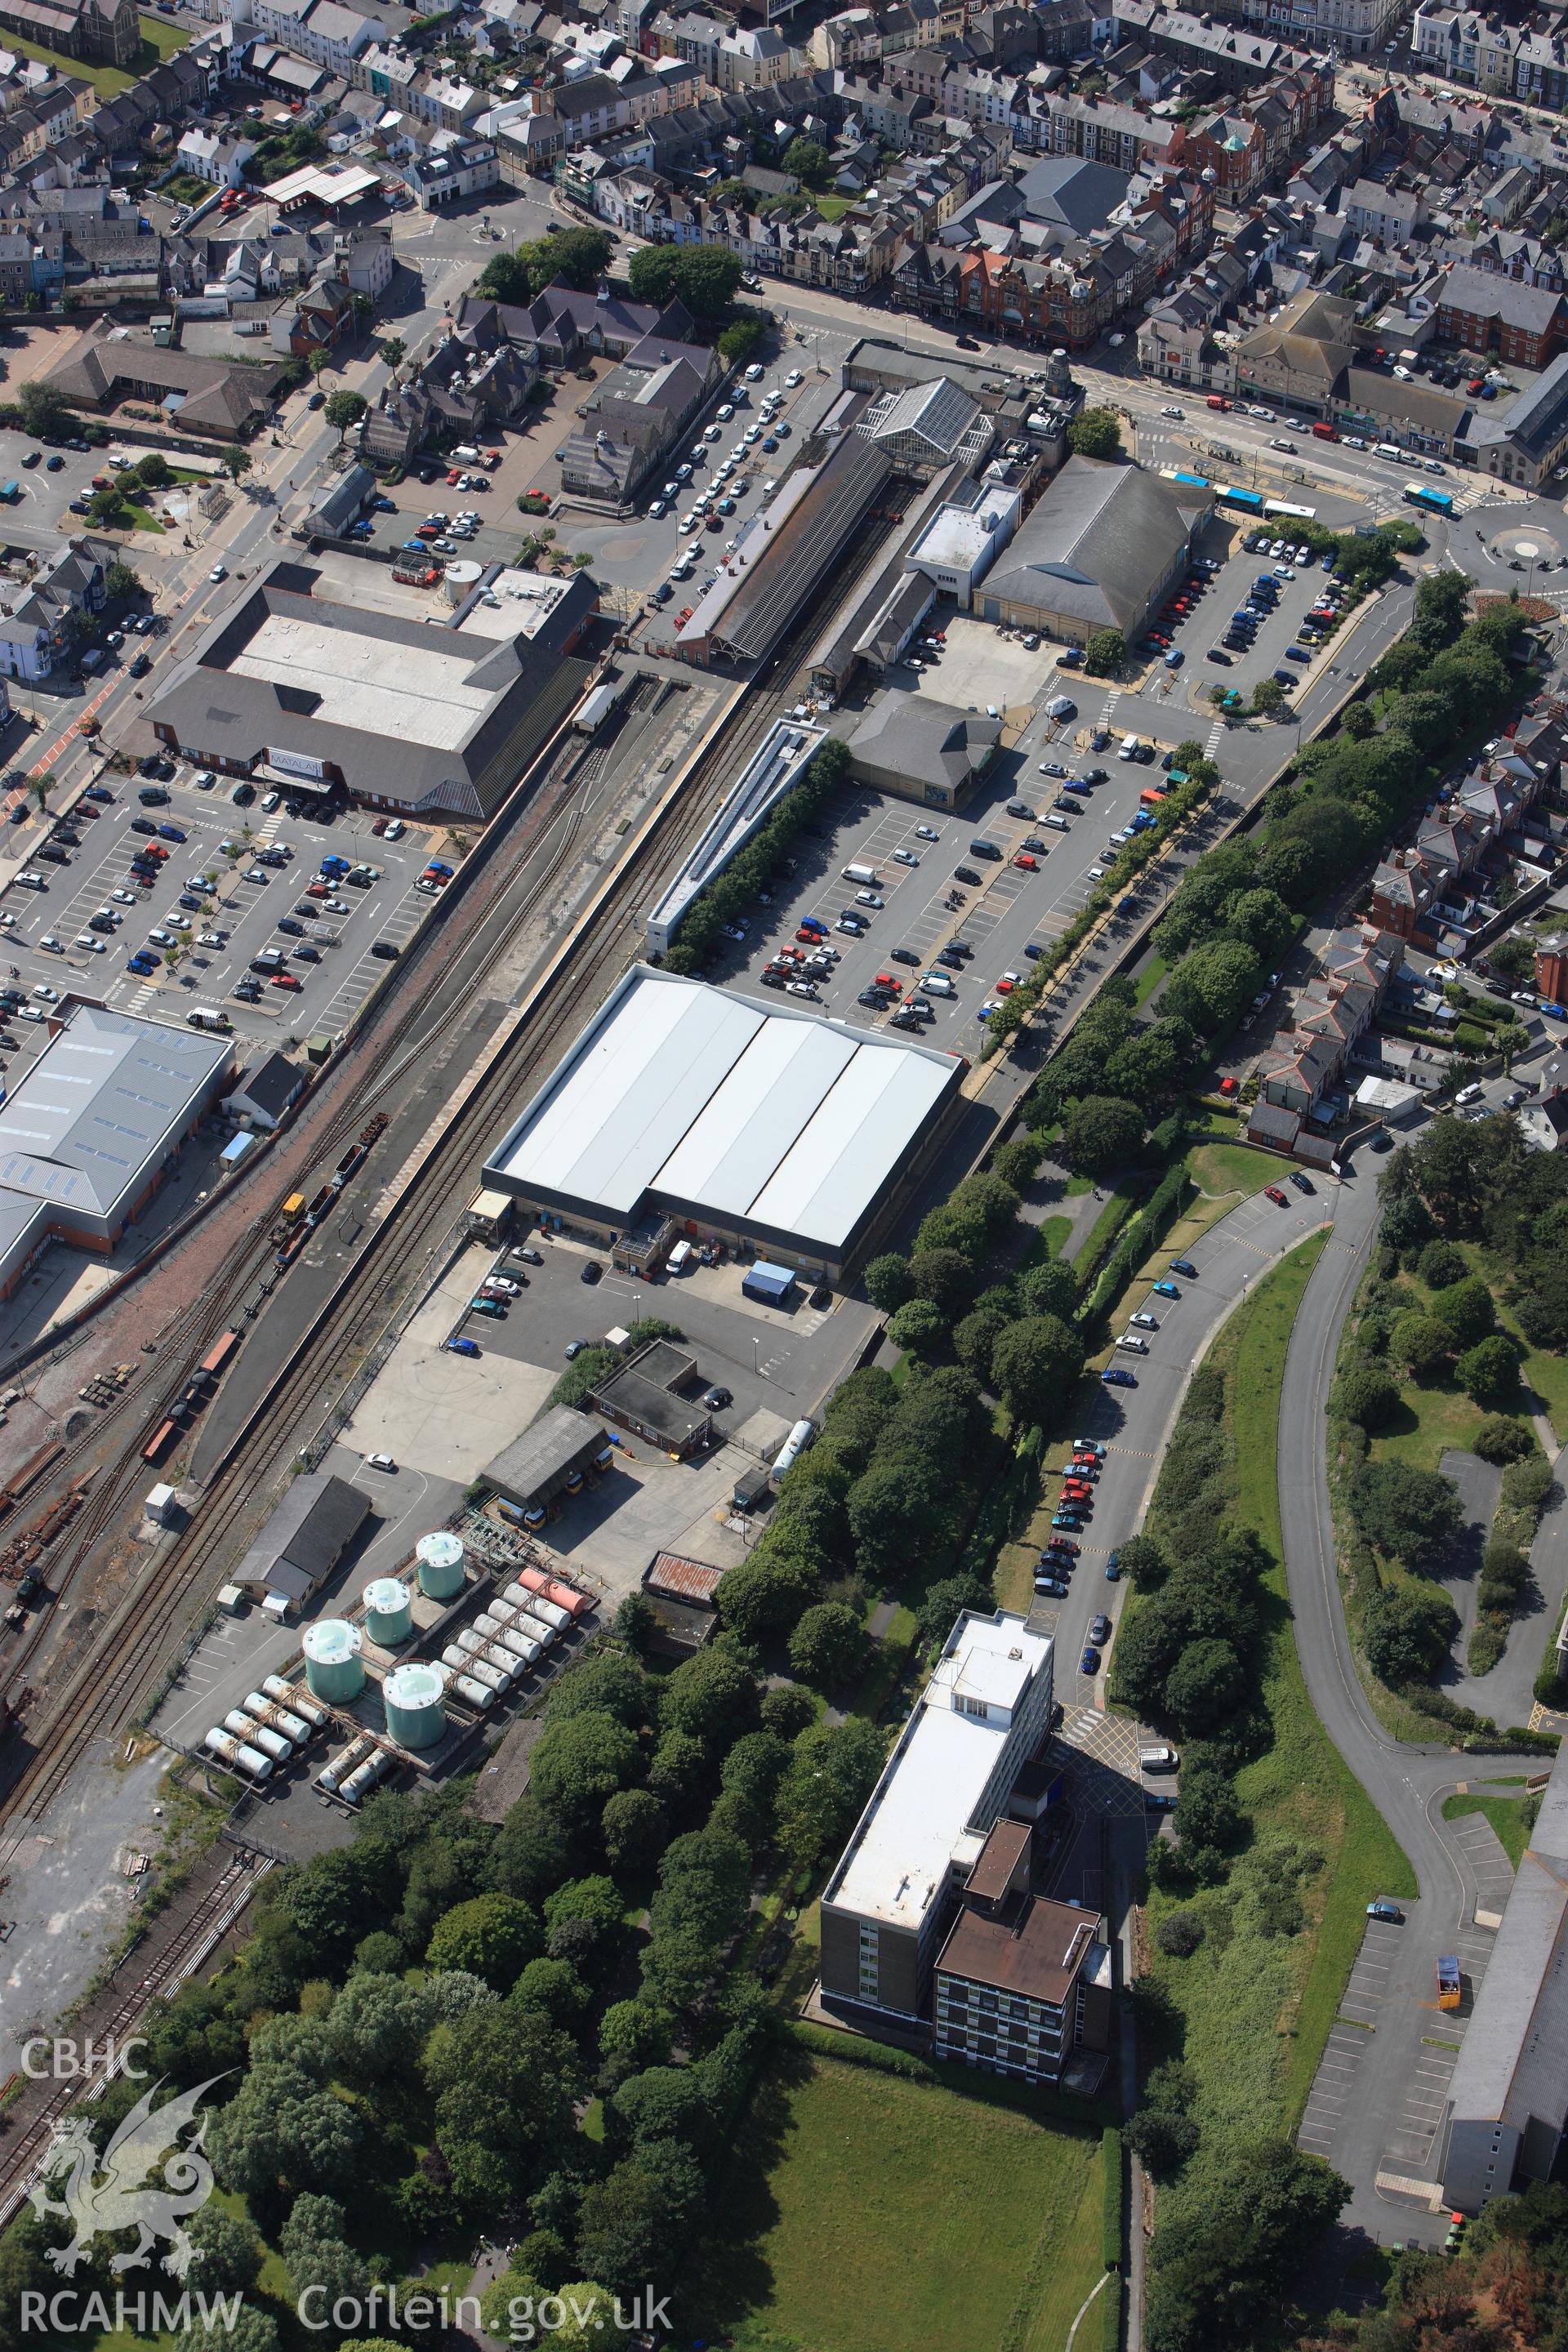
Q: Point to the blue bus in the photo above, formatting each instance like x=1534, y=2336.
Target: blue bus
x=1187, y=481
x=1249, y=501
x=1416, y=494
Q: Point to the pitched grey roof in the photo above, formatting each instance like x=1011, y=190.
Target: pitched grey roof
x=923, y=741
x=1095, y=546
x=307, y=1535
x=1078, y=194
x=93, y=1121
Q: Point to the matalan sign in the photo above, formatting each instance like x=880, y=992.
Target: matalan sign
x=294, y=763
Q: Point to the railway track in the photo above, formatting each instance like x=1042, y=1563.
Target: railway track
x=197, y=1937
x=101, y=1698
x=569, y=779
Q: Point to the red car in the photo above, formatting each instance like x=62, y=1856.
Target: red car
x=811, y=937
x=1280, y=1200
x=1065, y=1544
x=1229, y=1085
x=1075, y=1496
x=1004, y=987
x=318, y=890
x=285, y=980
x=379, y=827
x=1030, y=865
x=886, y=979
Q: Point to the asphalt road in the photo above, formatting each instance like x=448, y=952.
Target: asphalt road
x=1405, y=1783
x=1134, y=1424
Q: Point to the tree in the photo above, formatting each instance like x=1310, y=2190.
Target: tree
x=1488, y=1372
x=1267, y=697
x=578, y=258
x=712, y=1696
x=834, y=1770
x=1095, y=432
x=575, y=2316
x=1223, y=2264
x=503, y=2079
x=809, y=162
x=1107, y=648
x=1262, y=921
x=1358, y=721
x=1420, y=1344
x=1211, y=987
x=236, y=463
x=579, y=1764
x=121, y=582
x=1205, y=1686
x=1405, y=1631
x=1100, y=1133
x=945, y=1276
x=1466, y=1310
x=492, y=1936
x=1049, y=1288
x=42, y=405
x=976, y=1336
x=827, y=1647
x=918, y=1327
x=634, y=1831
x=651, y=272
x=763, y=1595
x=344, y=409
x=889, y=1282
x=229, y=2252
x=1402, y=1510
x=393, y=350
x=1441, y=1265
x=632, y=2036
x=1034, y=1363
x=630, y=2220
x=945, y=1601
x=281, y=2131
x=605, y=1681
x=706, y=279
x=1368, y=1396
x=1500, y=1440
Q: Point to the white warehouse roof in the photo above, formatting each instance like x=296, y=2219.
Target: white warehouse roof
x=688, y=1099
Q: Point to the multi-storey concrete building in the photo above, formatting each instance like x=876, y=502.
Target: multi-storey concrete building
x=889, y=1903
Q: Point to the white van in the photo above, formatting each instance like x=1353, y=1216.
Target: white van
x=1387, y=449
x=937, y=984
x=680, y=1258
x=1466, y=1095
x=1130, y=748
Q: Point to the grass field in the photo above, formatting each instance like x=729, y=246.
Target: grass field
x=1149, y=978
x=865, y=2214
x=1251, y=2014
x=1231, y=1168
x=1504, y=1814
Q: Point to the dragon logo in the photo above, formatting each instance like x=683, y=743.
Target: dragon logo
x=113, y=2192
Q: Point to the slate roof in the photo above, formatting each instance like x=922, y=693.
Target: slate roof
x=1095, y=546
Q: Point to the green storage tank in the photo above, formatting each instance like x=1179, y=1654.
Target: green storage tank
x=388, y=1618
x=440, y=1558
x=414, y=1698
x=332, y=1667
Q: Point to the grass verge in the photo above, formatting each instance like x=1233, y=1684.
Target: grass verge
x=1505, y=1814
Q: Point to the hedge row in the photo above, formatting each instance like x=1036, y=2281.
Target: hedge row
x=1112, y=2299
x=733, y=892
x=880, y=2058
x=1113, y=2199
x=1137, y=1239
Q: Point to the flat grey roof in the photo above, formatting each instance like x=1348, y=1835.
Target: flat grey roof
x=544, y=1452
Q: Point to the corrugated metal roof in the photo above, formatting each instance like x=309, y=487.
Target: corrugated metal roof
x=701, y=1101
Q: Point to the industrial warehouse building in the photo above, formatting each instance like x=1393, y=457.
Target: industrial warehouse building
x=1100, y=551
x=1508, y=2096
x=87, y=1135
x=290, y=688
x=304, y=1540
x=685, y=1110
